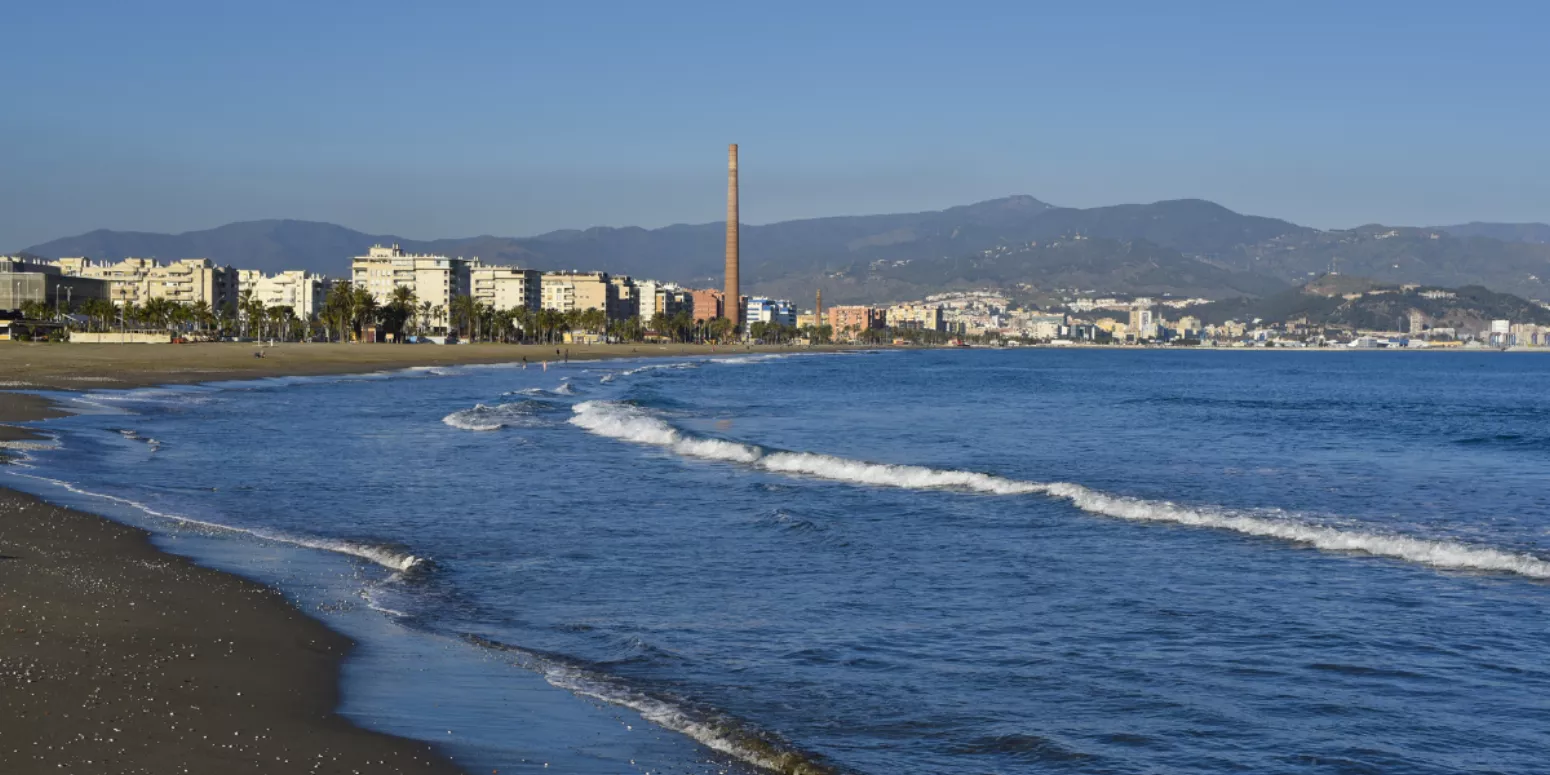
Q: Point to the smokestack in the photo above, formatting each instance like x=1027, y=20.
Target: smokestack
x=733, y=301
x=818, y=310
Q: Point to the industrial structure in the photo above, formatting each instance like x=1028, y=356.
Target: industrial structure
x=732, y=300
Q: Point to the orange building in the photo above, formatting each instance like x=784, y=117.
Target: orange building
x=707, y=304
x=849, y=321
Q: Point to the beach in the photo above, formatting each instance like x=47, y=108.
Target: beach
x=118, y=657
x=86, y=366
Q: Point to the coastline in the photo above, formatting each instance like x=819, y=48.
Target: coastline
x=118, y=656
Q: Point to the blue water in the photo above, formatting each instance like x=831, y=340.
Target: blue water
x=950, y=561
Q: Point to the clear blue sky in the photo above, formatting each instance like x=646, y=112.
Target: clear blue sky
x=512, y=118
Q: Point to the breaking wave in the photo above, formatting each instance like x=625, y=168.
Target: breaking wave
x=630, y=423
x=493, y=418
x=131, y=435
x=715, y=731
x=389, y=557
x=739, y=360
x=607, y=378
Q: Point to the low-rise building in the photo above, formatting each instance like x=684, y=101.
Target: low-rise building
x=25, y=280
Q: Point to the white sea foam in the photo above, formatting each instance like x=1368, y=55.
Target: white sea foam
x=648, y=368
x=722, y=735
x=1424, y=551
x=491, y=418
x=630, y=423
x=387, y=557
x=740, y=360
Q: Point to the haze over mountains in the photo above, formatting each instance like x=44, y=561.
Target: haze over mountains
x=1181, y=247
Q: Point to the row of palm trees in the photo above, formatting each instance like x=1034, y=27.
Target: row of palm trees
x=351, y=311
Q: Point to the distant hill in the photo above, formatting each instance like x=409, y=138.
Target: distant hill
x=1535, y=233
x=1376, y=306
x=1186, y=246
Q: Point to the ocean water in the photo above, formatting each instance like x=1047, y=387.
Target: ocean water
x=936, y=562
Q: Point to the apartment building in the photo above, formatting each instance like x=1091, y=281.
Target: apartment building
x=304, y=292
x=707, y=304
x=564, y=291
x=664, y=299
x=763, y=310
x=437, y=280
x=138, y=280
x=506, y=287
x=626, y=298
x=920, y=317
x=1143, y=324
x=849, y=321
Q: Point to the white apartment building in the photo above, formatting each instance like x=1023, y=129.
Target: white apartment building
x=506, y=287
x=659, y=298
x=304, y=292
x=437, y=280
x=763, y=310
x=138, y=280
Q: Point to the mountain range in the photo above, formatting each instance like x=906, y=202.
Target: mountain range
x=1179, y=247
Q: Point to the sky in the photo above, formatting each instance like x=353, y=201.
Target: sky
x=448, y=119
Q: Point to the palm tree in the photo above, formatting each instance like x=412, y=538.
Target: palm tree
x=464, y=310
x=422, y=317
x=363, y=308
x=200, y=312
x=400, y=308
x=338, y=310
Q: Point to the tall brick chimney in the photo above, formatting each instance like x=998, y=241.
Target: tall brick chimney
x=733, y=301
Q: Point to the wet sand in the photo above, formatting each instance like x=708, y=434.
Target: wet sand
x=118, y=658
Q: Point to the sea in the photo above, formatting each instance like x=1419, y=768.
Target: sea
x=944, y=561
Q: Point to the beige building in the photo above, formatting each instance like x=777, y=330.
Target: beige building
x=436, y=280
x=1143, y=324
x=566, y=291
x=506, y=287
x=304, y=292
x=138, y=280
x=627, y=299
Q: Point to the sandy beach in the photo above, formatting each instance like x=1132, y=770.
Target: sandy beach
x=118, y=658
x=87, y=366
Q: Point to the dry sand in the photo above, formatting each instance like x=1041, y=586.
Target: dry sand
x=87, y=366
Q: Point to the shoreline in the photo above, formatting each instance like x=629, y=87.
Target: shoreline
x=119, y=656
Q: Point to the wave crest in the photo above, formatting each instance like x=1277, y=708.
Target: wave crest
x=493, y=418
x=388, y=557
x=630, y=423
